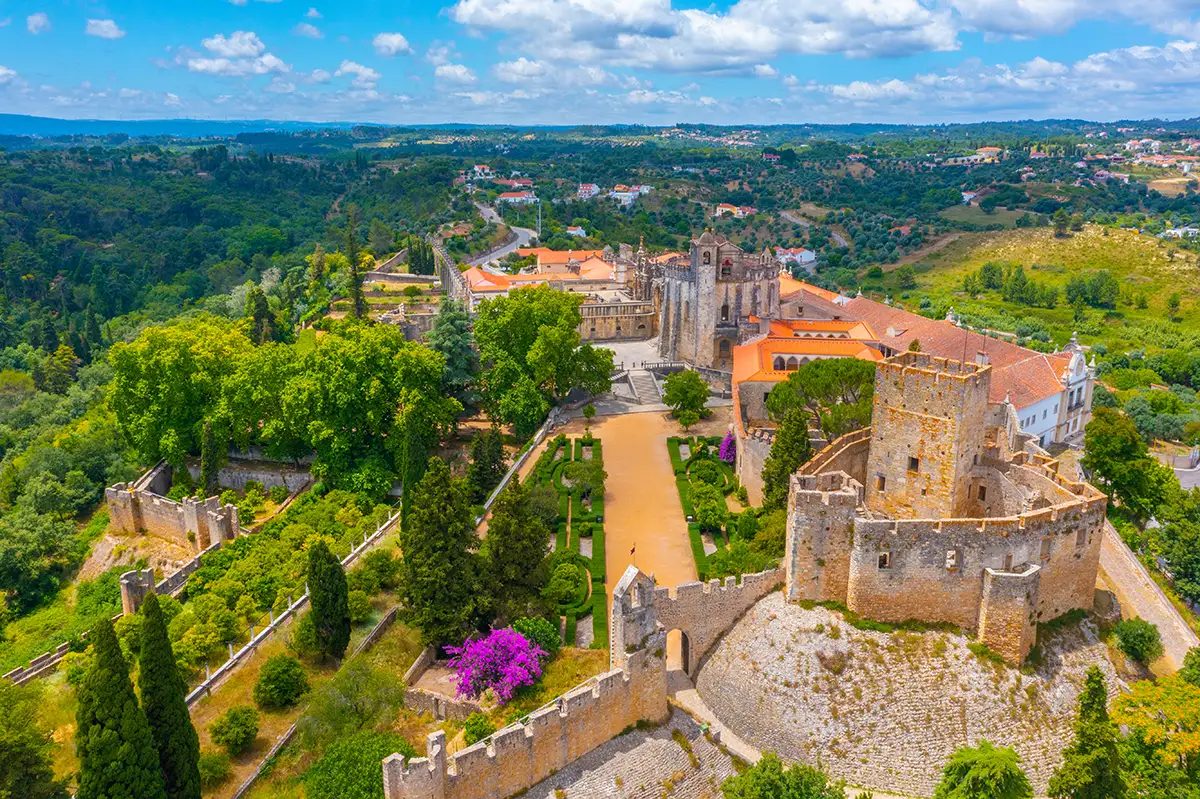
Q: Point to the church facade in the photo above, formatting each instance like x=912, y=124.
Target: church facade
x=713, y=300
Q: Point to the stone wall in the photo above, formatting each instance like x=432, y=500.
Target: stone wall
x=191, y=523
x=521, y=755
x=847, y=454
x=618, y=321
x=134, y=587
x=236, y=473
x=752, y=453
x=1008, y=611
x=818, y=562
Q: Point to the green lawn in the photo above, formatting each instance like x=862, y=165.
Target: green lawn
x=1145, y=264
x=974, y=215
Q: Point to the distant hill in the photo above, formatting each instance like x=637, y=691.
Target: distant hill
x=46, y=127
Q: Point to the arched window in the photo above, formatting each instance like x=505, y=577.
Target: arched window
x=687, y=310
x=725, y=312
x=779, y=364
x=707, y=258
x=754, y=299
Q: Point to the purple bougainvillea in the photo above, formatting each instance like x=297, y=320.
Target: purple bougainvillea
x=503, y=660
x=728, y=451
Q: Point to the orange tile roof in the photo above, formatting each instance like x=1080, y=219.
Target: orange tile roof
x=480, y=280
x=814, y=328
x=1022, y=374
x=789, y=285
x=756, y=360
x=545, y=255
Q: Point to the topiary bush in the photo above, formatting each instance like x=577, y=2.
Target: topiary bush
x=541, y=632
x=236, y=730
x=1139, y=640
x=477, y=727
x=281, y=683
x=214, y=769
x=707, y=472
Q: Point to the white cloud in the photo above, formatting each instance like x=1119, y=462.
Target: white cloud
x=104, y=28
x=520, y=70
x=4, y=23
x=791, y=81
x=37, y=23
x=454, y=73
x=6, y=75
x=240, y=44
x=308, y=31
x=765, y=71
x=319, y=76
x=390, y=44
x=439, y=53
x=279, y=86
x=312, y=13
x=364, y=77
x=172, y=100
x=864, y=91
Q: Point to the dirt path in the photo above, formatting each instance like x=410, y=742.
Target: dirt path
x=928, y=249
x=1140, y=595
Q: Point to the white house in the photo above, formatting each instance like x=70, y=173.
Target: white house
x=587, y=191
x=575, y=230
x=795, y=255
x=483, y=172
x=517, y=197
x=624, y=197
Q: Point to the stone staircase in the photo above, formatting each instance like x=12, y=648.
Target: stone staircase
x=645, y=386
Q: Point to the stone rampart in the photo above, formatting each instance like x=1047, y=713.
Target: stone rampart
x=848, y=453
x=1008, y=611
x=818, y=562
x=134, y=587
x=235, y=474
x=523, y=754
x=192, y=523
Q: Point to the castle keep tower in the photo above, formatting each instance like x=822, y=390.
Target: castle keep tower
x=708, y=301
x=928, y=428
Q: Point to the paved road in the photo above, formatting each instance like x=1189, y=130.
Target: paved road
x=523, y=236
x=802, y=222
x=1140, y=595
x=1188, y=478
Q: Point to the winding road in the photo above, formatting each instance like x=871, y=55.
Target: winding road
x=802, y=222
x=524, y=235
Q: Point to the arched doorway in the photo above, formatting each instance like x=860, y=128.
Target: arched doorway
x=679, y=652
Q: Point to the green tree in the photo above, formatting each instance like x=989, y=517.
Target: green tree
x=515, y=547
x=236, y=730
x=1191, y=667
x=767, y=779
x=164, y=700
x=451, y=335
x=1139, y=639
x=381, y=238
x=589, y=413
x=349, y=768
x=212, y=458
x=1173, y=302
x=838, y=393
x=906, y=277
x=477, y=727
x=328, y=596
x=358, y=303
x=487, y=466
x=26, y=746
x=358, y=697
x=687, y=419
x=1061, y=220
x=983, y=772
x=281, y=683
x=685, y=391
x=438, y=572
x=113, y=739
x=1117, y=457
x=262, y=321
x=790, y=450
x=1091, y=767
x=350, y=245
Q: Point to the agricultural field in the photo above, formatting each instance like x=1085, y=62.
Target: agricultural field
x=975, y=215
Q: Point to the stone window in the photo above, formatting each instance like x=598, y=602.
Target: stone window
x=707, y=258
x=885, y=560
x=1046, y=546
x=687, y=310
x=725, y=312
x=982, y=493
x=880, y=482
x=779, y=364
x=1080, y=538
x=726, y=271
x=914, y=464
x=953, y=559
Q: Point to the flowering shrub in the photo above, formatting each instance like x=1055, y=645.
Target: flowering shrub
x=728, y=451
x=504, y=661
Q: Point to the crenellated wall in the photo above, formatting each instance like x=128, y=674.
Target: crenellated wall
x=818, y=563
x=521, y=755
x=196, y=524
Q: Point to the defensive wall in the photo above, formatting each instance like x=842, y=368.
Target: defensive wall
x=634, y=689
x=192, y=523
x=236, y=473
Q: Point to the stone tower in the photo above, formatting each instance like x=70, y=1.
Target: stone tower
x=927, y=434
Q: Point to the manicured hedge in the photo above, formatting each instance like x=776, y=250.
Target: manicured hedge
x=685, y=495
x=599, y=616
x=598, y=568
x=578, y=450
x=569, y=632
x=560, y=536
x=698, y=551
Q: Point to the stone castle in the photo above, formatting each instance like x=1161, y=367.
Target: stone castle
x=713, y=300
x=943, y=511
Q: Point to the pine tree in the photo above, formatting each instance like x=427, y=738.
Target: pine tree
x=358, y=306
x=329, y=599
x=316, y=267
x=438, y=569
x=211, y=460
x=1091, y=767
x=486, y=469
x=262, y=321
x=350, y=249
x=164, y=699
x=113, y=739
x=26, y=746
x=790, y=450
x=91, y=331
x=515, y=547
x=451, y=336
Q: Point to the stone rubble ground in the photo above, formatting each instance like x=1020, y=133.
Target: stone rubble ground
x=885, y=710
x=644, y=764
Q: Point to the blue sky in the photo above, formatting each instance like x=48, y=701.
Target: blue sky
x=601, y=61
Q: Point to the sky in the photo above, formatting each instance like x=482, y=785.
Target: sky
x=566, y=62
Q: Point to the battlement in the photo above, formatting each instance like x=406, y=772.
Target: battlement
x=196, y=524
x=524, y=753
x=938, y=368
x=827, y=488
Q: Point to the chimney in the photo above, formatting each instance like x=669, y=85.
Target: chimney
x=981, y=358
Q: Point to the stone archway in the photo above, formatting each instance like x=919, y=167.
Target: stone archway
x=679, y=652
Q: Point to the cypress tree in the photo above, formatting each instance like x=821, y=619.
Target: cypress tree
x=1091, y=767
x=211, y=460
x=116, y=749
x=790, y=450
x=164, y=699
x=515, y=547
x=438, y=570
x=330, y=601
x=358, y=305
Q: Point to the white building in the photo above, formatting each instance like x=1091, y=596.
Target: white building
x=587, y=191
x=575, y=230
x=517, y=197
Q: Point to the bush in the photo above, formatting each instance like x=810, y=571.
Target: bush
x=541, y=632
x=349, y=769
x=214, y=769
x=278, y=494
x=360, y=606
x=303, y=640
x=280, y=684
x=1139, y=640
x=236, y=730
x=385, y=567
x=477, y=727
x=707, y=472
